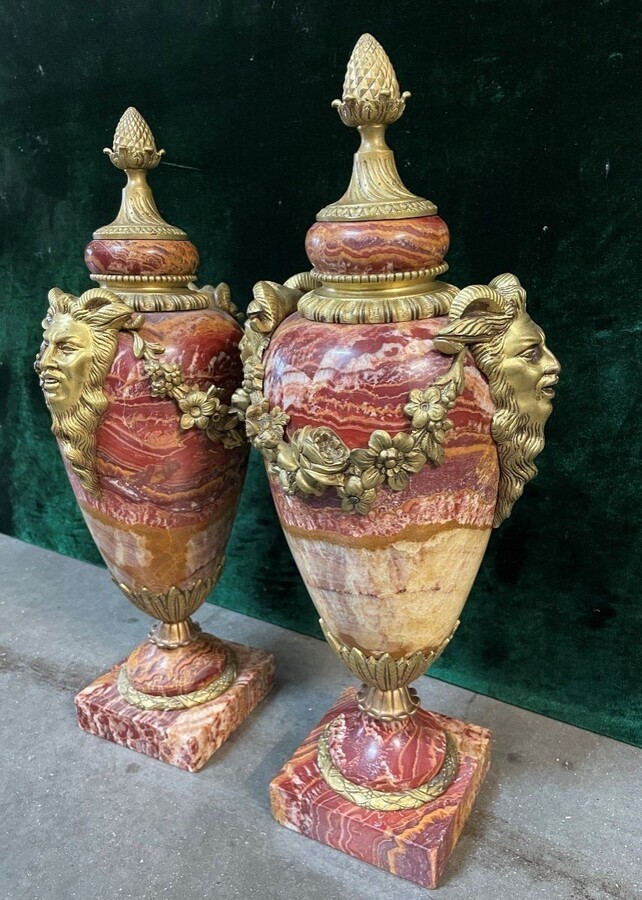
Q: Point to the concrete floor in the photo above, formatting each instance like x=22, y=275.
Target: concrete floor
x=558, y=817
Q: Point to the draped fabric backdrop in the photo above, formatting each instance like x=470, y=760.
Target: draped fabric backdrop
x=523, y=127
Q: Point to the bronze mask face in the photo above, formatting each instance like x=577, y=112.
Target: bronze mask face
x=510, y=350
x=80, y=336
x=530, y=369
x=65, y=362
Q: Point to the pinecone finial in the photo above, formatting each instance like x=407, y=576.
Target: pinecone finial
x=134, y=145
x=370, y=90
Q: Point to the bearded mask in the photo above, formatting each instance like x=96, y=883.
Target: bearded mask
x=510, y=350
x=79, y=343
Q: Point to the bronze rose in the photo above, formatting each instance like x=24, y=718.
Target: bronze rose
x=313, y=459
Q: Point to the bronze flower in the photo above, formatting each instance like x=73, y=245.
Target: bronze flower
x=313, y=459
x=197, y=407
x=388, y=459
x=355, y=497
x=428, y=411
x=425, y=408
x=264, y=425
x=222, y=427
x=164, y=377
x=253, y=375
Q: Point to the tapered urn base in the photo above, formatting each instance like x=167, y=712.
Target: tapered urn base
x=185, y=737
x=412, y=843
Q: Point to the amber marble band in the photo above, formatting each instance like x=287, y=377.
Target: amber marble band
x=386, y=801
x=179, y=701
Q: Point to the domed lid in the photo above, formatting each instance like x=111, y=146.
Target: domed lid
x=148, y=262
x=134, y=151
x=377, y=251
x=371, y=101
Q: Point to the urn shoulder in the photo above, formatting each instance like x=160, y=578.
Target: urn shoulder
x=384, y=384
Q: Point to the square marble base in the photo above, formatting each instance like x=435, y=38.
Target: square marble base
x=413, y=844
x=185, y=738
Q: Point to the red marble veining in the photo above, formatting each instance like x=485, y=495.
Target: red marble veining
x=365, y=248
x=395, y=579
x=184, y=738
x=357, y=378
x=168, y=496
x=139, y=257
x=393, y=756
x=413, y=844
x=181, y=670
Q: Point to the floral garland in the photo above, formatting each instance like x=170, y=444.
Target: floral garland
x=315, y=458
x=199, y=409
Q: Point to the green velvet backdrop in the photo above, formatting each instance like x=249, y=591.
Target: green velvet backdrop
x=522, y=127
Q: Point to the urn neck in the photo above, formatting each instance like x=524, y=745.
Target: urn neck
x=396, y=297
x=170, y=635
x=138, y=216
x=376, y=191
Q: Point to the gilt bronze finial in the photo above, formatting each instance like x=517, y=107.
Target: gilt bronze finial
x=134, y=151
x=370, y=89
x=134, y=146
x=371, y=101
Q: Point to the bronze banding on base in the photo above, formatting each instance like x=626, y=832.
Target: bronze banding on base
x=386, y=801
x=179, y=701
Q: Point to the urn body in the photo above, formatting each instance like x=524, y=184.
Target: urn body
x=395, y=578
x=168, y=494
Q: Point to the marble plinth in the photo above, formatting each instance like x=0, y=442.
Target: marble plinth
x=413, y=844
x=185, y=738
